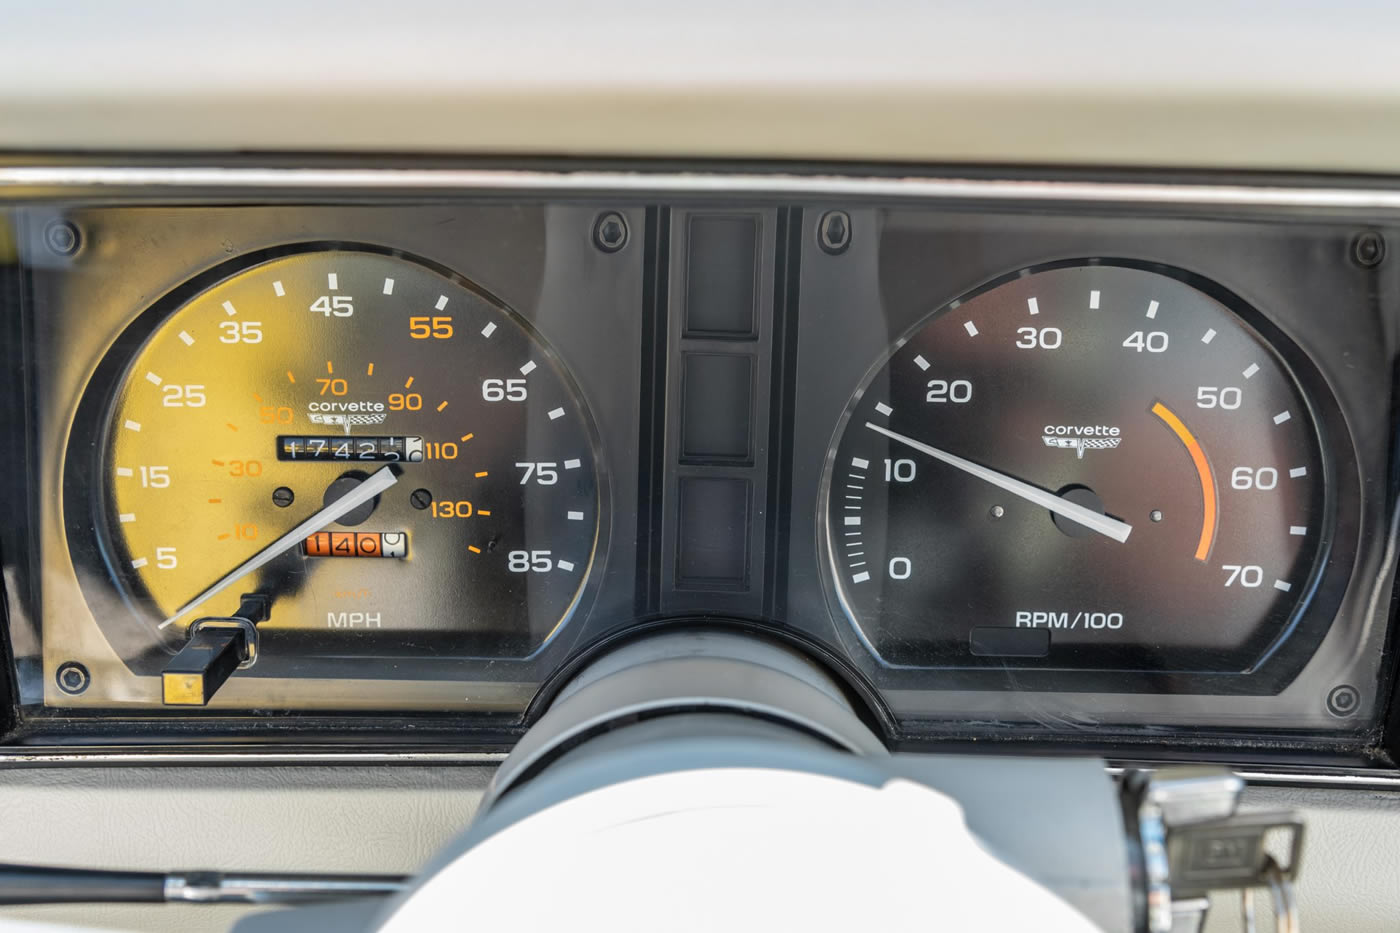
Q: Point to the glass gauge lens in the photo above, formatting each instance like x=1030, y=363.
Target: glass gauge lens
x=247, y=416
x=1087, y=466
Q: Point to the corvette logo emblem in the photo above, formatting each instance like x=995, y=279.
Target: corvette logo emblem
x=1080, y=438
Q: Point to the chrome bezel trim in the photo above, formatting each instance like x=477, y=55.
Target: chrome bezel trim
x=44, y=179
x=19, y=756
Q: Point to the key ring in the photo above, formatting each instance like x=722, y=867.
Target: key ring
x=1285, y=900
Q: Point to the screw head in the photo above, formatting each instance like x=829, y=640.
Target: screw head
x=834, y=232
x=283, y=497
x=1368, y=249
x=62, y=237
x=72, y=678
x=1343, y=700
x=996, y=512
x=610, y=232
x=420, y=498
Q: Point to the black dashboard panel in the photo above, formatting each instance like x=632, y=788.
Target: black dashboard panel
x=714, y=339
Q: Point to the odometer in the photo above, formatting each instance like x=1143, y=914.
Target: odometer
x=252, y=413
x=1089, y=466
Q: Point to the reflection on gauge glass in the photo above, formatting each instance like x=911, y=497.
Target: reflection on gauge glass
x=261, y=402
x=1089, y=466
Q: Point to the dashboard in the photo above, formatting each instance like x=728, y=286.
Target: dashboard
x=376, y=453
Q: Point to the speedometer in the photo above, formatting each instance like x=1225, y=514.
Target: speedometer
x=1086, y=466
x=359, y=454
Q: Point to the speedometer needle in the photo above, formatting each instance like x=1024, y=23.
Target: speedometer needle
x=377, y=483
x=1110, y=527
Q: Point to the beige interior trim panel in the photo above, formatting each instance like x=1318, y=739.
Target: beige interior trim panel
x=1191, y=83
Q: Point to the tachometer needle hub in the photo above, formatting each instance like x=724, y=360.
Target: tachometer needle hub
x=377, y=483
x=1094, y=521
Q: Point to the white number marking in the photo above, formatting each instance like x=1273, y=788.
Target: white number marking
x=1249, y=575
x=1049, y=338
x=959, y=391
x=1151, y=341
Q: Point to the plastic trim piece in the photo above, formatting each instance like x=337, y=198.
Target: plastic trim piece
x=39, y=181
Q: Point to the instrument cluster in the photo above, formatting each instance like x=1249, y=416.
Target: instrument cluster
x=1112, y=469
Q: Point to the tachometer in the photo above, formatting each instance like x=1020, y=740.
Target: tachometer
x=1083, y=466
x=381, y=458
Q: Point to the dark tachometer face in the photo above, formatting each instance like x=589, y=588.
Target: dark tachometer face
x=1091, y=466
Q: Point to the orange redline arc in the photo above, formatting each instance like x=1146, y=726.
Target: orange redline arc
x=1203, y=470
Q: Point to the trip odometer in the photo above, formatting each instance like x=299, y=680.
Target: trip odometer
x=384, y=460
x=1088, y=466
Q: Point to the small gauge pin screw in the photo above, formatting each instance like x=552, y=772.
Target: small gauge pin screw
x=1368, y=249
x=420, y=498
x=62, y=237
x=610, y=232
x=1155, y=515
x=834, y=232
x=996, y=512
x=73, y=678
x=282, y=497
x=1343, y=700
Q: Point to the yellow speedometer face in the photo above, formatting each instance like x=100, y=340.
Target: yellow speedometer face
x=252, y=414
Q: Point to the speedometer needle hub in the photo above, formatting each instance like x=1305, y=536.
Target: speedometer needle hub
x=1094, y=521
x=352, y=500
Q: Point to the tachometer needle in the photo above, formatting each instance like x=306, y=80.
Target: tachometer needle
x=377, y=483
x=1110, y=527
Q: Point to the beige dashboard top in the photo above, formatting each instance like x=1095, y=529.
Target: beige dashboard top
x=1206, y=84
